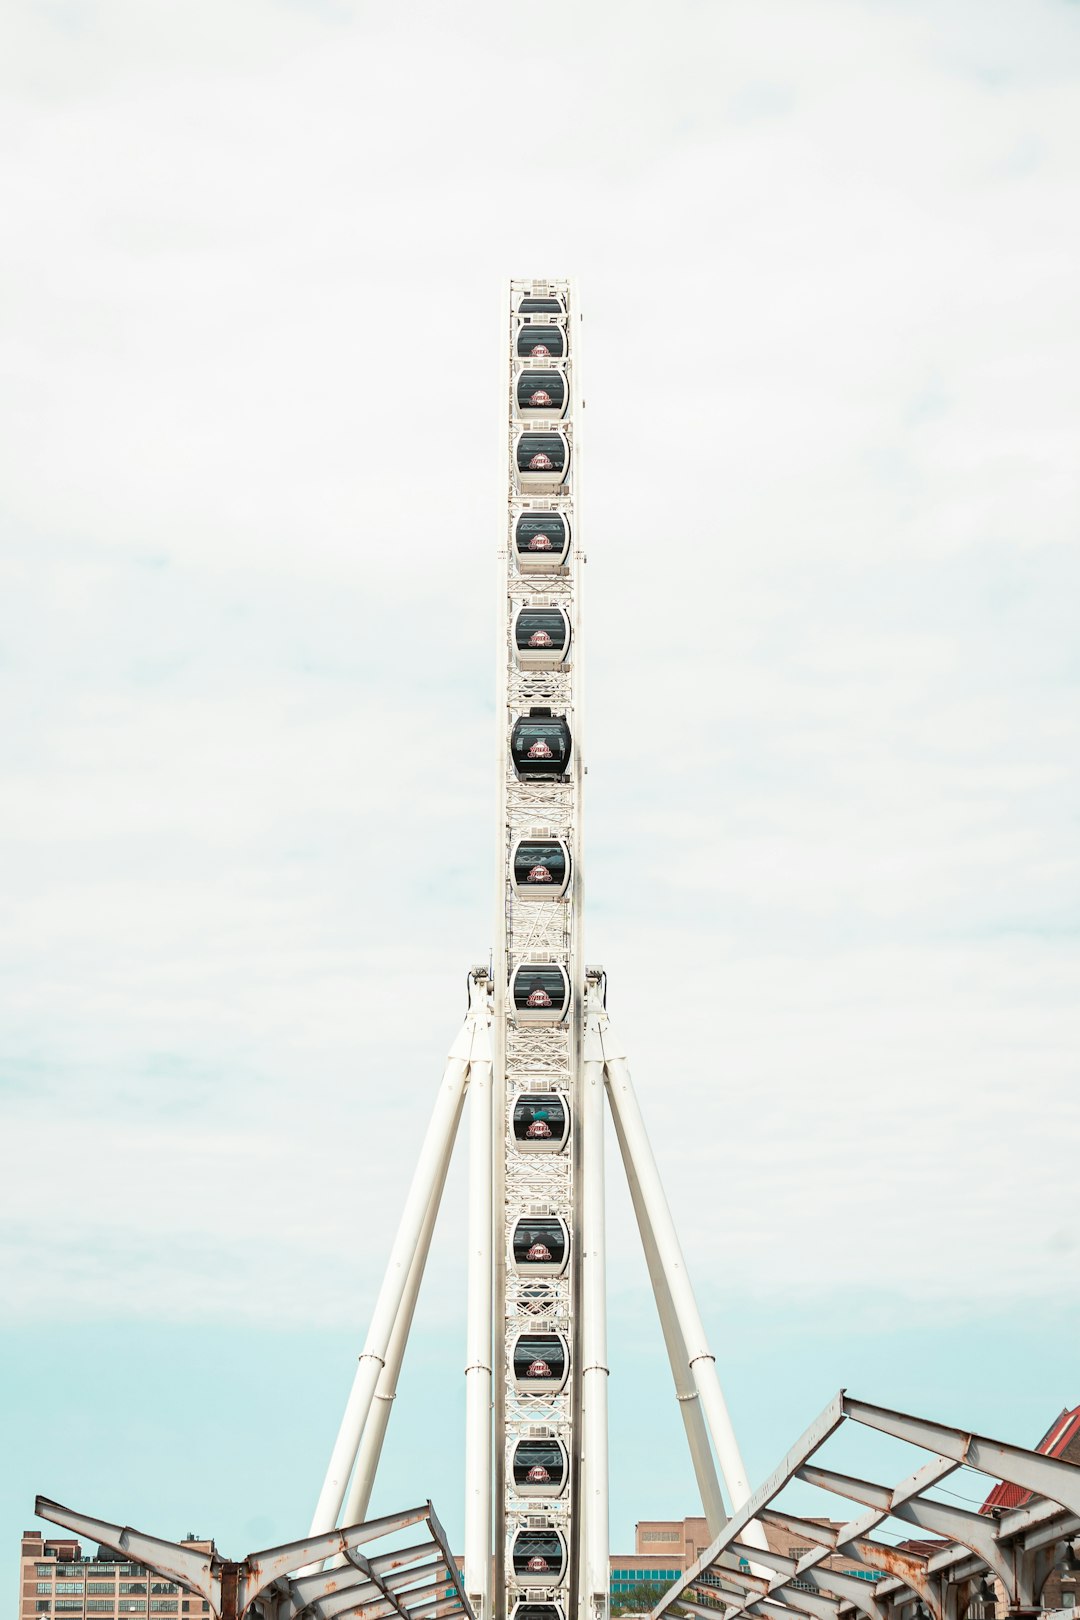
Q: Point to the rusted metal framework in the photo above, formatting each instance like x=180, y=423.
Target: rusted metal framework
x=415, y=1581
x=991, y=1561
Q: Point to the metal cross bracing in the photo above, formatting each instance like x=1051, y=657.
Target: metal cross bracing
x=988, y=1560
x=417, y=1580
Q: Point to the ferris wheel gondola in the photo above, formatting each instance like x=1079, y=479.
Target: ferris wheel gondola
x=541, y=637
x=541, y=542
x=540, y=1245
x=540, y=1467
x=540, y=1361
x=540, y=339
x=539, y=1557
x=541, y=391
x=540, y=868
x=542, y=459
x=541, y=1122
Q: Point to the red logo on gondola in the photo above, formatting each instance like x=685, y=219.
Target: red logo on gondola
x=540, y=638
x=540, y=750
x=537, y=1563
x=541, y=463
x=539, y=874
x=538, y=1129
x=541, y=397
x=539, y=542
x=539, y=998
x=540, y=348
x=538, y=1369
x=539, y=1251
x=539, y=1475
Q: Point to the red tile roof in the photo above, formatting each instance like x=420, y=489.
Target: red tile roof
x=1054, y=1443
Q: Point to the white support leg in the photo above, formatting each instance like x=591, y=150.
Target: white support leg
x=594, y=1381
x=358, y=1496
x=697, y=1435
x=440, y=1135
x=641, y=1164
x=478, y=1416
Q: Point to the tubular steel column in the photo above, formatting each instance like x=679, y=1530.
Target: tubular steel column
x=660, y=1230
x=594, y=1393
x=371, y=1444
x=438, y=1142
x=478, y=1354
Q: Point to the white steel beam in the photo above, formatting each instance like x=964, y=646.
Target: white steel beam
x=480, y=1308
x=697, y=1435
x=440, y=1134
x=641, y=1163
x=594, y=1381
x=1046, y=1476
x=367, y=1458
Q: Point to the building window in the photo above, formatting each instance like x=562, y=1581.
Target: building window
x=44, y=1586
x=133, y=1586
x=101, y=1605
x=101, y=1586
x=43, y=1569
x=661, y=1535
x=42, y=1605
x=69, y=1586
x=72, y=1605
x=163, y=1605
x=164, y=1586
x=132, y=1605
x=185, y=1606
x=70, y=1569
x=103, y=1569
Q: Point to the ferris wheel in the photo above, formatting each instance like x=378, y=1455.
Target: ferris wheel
x=537, y=1058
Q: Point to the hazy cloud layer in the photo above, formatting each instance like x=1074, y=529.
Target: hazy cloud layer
x=250, y=491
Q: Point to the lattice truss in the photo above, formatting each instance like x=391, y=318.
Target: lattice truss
x=909, y=1551
x=537, y=1057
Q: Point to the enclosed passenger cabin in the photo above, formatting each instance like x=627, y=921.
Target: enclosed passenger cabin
x=542, y=542
x=543, y=459
x=540, y=868
x=540, y=744
x=541, y=1362
x=540, y=1467
x=541, y=637
x=537, y=1611
x=540, y=1245
x=541, y=1122
x=540, y=340
x=540, y=304
x=540, y=993
x=541, y=391
x=539, y=1557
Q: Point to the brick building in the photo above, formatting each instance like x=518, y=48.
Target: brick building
x=58, y=1581
x=664, y=1548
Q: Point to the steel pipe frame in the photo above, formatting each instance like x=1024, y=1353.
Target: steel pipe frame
x=658, y=1233
x=1016, y=1550
x=594, y=1376
x=270, y=1580
x=478, y=1363
x=437, y=1146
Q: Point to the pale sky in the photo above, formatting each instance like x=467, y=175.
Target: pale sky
x=250, y=486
